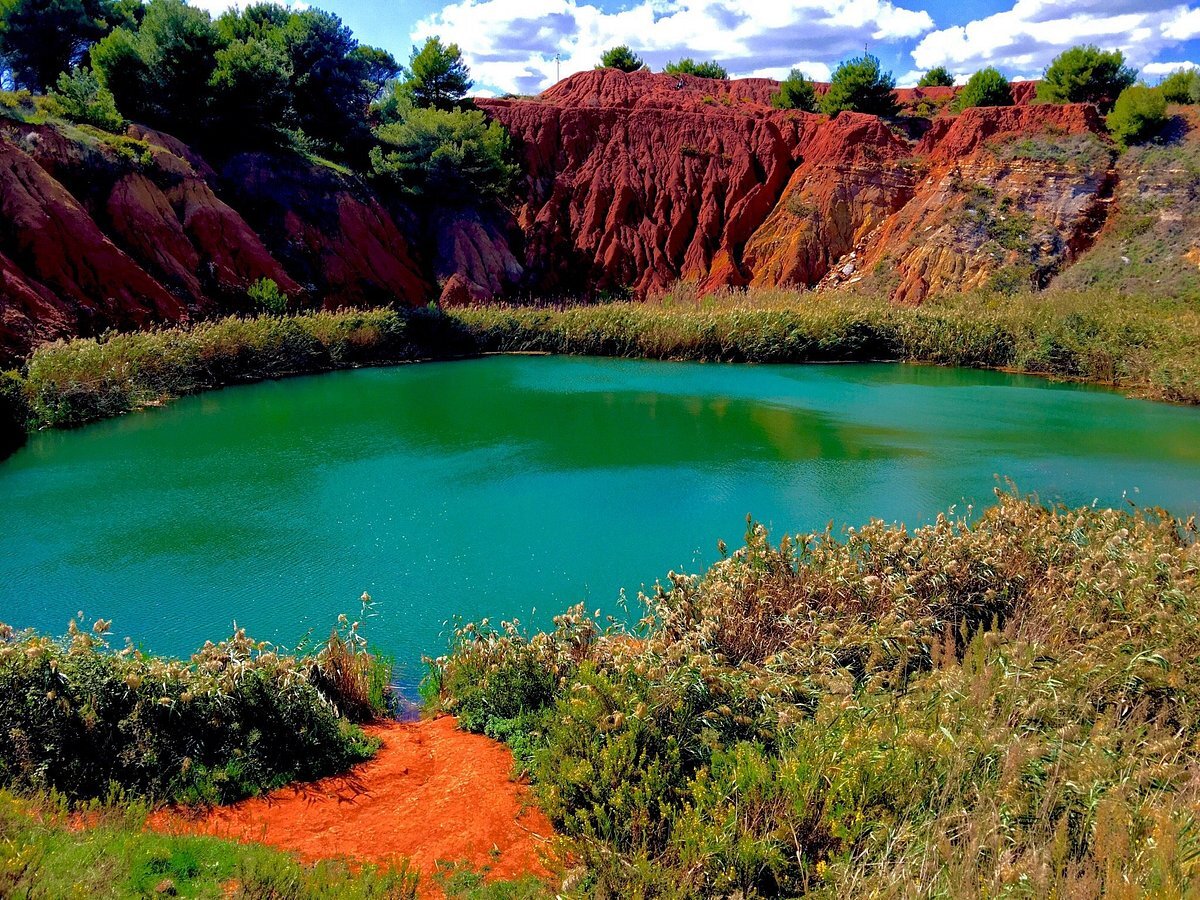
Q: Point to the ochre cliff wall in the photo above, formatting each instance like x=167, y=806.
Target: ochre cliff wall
x=631, y=183
x=639, y=180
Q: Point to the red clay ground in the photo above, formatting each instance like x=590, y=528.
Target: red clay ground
x=431, y=793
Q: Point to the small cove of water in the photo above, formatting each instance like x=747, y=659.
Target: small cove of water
x=516, y=486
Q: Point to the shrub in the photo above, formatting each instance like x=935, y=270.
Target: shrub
x=987, y=87
x=795, y=92
x=238, y=718
x=451, y=157
x=14, y=411
x=999, y=691
x=938, y=76
x=1138, y=115
x=81, y=98
x=1182, y=86
x=861, y=85
x=265, y=296
x=689, y=66
x=621, y=57
x=1086, y=74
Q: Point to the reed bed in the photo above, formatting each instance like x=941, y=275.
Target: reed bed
x=1144, y=347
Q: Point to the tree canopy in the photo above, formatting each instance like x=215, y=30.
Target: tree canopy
x=621, y=57
x=1086, y=74
x=861, y=85
x=452, y=155
x=689, y=66
x=1181, y=86
x=938, y=76
x=41, y=39
x=987, y=87
x=437, y=75
x=795, y=92
x=1139, y=114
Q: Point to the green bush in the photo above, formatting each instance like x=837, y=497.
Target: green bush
x=265, y=296
x=81, y=98
x=689, y=66
x=445, y=157
x=987, y=87
x=621, y=57
x=1086, y=74
x=15, y=414
x=861, y=85
x=1139, y=114
x=1015, y=694
x=795, y=92
x=938, y=76
x=238, y=718
x=1182, y=86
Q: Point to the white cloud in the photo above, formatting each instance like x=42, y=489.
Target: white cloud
x=1185, y=27
x=1162, y=69
x=511, y=44
x=1023, y=39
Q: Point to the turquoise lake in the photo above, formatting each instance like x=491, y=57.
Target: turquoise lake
x=516, y=486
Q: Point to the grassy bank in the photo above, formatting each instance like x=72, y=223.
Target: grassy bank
x=1147, y=348
x=1004, y=707
x=45, y=854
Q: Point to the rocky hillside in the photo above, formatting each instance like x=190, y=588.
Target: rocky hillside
x=632, y=182
x=635, y=181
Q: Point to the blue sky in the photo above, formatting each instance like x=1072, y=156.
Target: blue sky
x=511, y=44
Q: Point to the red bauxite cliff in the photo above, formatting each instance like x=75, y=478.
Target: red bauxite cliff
x=640, y=180
x=632, y=182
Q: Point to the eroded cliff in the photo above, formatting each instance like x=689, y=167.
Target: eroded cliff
x=631, y=182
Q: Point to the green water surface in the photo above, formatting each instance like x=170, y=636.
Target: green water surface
x=515, y=486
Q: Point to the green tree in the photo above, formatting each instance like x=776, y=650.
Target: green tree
x=452, y=156
x=689, y=66
x=251, y=91
x=938, y=76
x=121, y=66
x=987, y=87
x=330, y=86
x=1138, y=115
x=40, y=39
x=81, y=98
x=266, y=296
x=621, y=57
x=861, y=85
x=1182, y=86
x=378, y=70
x=437, y=75
x=795, y=92
x=1086, y=74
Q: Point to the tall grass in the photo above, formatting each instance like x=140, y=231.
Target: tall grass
x=1001, y=706
x=1148, y=347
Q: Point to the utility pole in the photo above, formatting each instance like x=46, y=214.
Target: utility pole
x=558, y=66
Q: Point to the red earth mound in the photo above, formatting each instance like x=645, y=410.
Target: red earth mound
x=432, y=793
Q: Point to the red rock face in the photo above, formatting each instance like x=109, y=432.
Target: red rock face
x=109, y=234
x=639, y=180
x=633, y=182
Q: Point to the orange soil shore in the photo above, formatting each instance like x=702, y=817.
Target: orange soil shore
x=432, y=793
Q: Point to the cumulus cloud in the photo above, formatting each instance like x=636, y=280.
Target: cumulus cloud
x=512, y=44
x=1162, y=69
x=1023, y=39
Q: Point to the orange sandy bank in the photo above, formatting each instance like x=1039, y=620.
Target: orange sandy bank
x=431, y=793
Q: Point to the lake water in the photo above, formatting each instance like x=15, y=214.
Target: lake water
x=516, y=486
